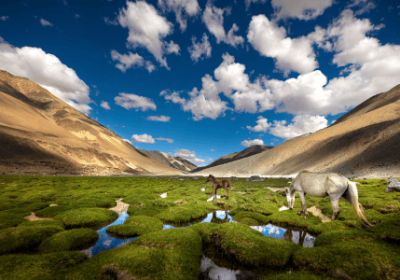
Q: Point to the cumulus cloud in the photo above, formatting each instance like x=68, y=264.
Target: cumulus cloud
x=301, y=9
x=44, y=23
x=130, y=100
x=143, y=138
x=159, y=118
x=130, y=61
x=189, y=155
x=197, y=50
x=364, y=6
x=147, y=29
x=179, y=7
x=213, y=18
x=300, y=125
x=165, y=139
x=248, y=2
x=105, y=105
x=289, y=54
x=249, y=143
x=4, y=18
x=206, y=103
x=262, y=125
x=48, y=71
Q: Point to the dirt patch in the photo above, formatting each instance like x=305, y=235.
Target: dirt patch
x=317, y=212
x=121, y=207
x=32, y=217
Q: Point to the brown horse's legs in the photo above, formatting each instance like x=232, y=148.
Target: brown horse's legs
x=214, y=191
x=227, y=193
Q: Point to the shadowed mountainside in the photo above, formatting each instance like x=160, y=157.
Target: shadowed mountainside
x=175, y=162
x=236, y=156
x=41, y=134
x=365, y=142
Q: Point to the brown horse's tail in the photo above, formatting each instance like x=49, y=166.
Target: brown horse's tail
x=352, y=197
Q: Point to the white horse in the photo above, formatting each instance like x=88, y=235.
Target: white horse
x=323, y=184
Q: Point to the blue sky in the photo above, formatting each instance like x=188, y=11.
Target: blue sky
x=202, y=79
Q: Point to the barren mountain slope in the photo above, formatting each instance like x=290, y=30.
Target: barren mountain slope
x=236, y=156
x=41, y=134
x=365, y=144
x=175, y=162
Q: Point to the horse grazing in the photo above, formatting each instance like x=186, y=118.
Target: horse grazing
x=323, y=184
x=219, y=184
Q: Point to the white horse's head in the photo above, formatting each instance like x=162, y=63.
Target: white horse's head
x=290, y=198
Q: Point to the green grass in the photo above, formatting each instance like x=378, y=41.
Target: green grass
x=344, y=247
x=69, y=240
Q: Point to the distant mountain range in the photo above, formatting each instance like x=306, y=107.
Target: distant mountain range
x=174, y=162
x=41, y=134
x=236, y=156
x=365, y=142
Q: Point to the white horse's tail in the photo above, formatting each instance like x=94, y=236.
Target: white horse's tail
x=352, y=197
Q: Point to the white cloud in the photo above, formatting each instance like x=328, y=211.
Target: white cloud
x=171, y=47
x=190, y=7
x=301, y=9
x=165, y=139
x=248, y=2
x=213, y=18
x=206, y=103
x=130, y=61
x=147, y=29
x=271, y=41
x=105, y=105
x=4, y=18
x=128, y=101
x=197, y=50
x=301, y=124
x=48, y=71
x=44, y=23
x=188, y=155
x=365, y=6
x=110, y=22
x=159, y=119
x=77, y=16
x=143, y=138
x=249, y=143
x=262, y=125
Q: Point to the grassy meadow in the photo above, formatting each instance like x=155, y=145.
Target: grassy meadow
x=75, y=207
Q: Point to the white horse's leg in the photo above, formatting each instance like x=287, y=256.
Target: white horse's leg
x=335, y=207
x=303, y=203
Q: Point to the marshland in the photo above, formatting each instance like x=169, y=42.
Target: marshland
x=176, y=236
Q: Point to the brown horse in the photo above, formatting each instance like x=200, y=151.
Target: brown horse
x=219, y=184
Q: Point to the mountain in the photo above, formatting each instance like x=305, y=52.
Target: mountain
x=174, y=162
x=236, y=156
x=365, y=142
x=41, y=134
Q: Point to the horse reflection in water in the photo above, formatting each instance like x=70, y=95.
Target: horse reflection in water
x=303, y=240
x=217, y=220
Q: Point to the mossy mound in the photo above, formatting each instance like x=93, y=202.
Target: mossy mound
x=22, y=212
x=69, y=240
x=24, y=239
x=266, y=208
x=10, y=220
x=203, y=228
x=135, y=226
x=143, y=206
x=249, y=246
x=334, y=226
x=33, y=207
x=354, y=259
x=51, y=212
x=171, y=254
x=290, y=218
x=6, y=204
x=39, y=267
x=297, y=275
x=86, y=217
x=39, y=223
x=332, y=237
x=90, y=202
x=182, y=213
x=248, y=218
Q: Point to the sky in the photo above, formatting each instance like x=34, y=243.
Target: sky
x=203, y=79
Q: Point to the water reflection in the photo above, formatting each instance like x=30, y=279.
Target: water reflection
x=107, y=242
x=209, y=270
